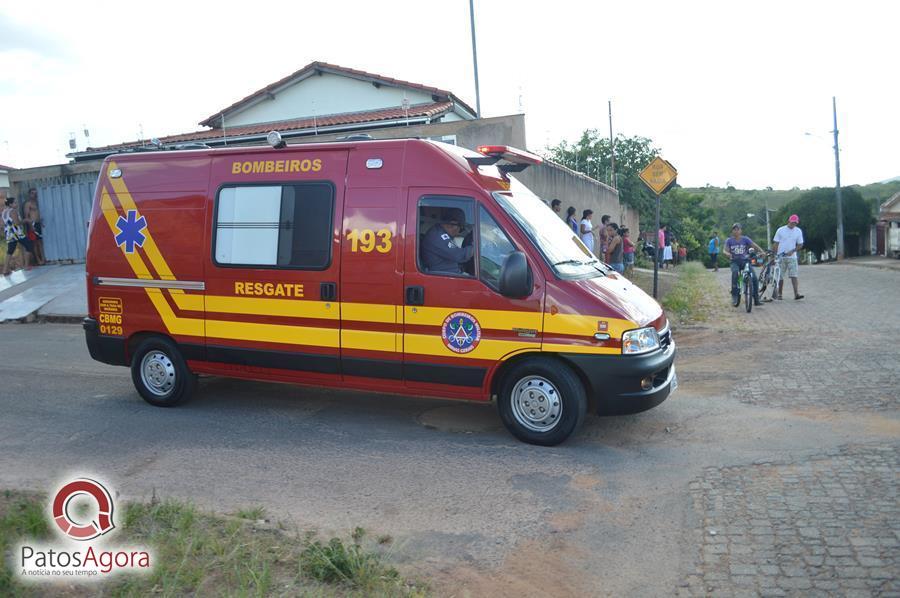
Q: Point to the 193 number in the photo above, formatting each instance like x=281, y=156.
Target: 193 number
x=367, y=240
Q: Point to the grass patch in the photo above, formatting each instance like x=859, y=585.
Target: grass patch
x=253, y=514
x=691, y=297
x=200, y=553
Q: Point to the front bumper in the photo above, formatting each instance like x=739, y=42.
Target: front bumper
x=106, y=349
x=615, y=380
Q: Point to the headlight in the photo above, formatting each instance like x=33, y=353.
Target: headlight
x=638, y=341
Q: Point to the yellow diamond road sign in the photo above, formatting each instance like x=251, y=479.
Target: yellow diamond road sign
x=658, y=175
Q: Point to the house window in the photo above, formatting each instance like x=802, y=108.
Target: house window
x=275, y=226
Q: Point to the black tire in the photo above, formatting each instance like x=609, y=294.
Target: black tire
x=764, y=279
x=748, y=293
x=166, y=379
x=544, y=379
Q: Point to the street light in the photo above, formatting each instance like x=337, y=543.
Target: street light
x=837, y=181
x=837, y=184
x=768, y=225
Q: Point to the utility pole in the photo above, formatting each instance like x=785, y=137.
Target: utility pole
x=475, y=59
x=837, y=185
x=768, y=228
x=612, y=149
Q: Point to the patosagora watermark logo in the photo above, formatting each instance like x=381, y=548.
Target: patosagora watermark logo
x=91, y=529
x=82, y=514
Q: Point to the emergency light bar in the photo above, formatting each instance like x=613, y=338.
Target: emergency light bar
x=510, y=154
x=516, y=160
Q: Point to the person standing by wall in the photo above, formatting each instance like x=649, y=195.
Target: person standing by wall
x=556, y=206
x=35, y=230
x=614, y=251
x=787, y=242
x=627, y=251
x=15, y=235
x=660, y=244
x=713, y=249
x=603, y=236
x=587, y=229
x=571, y=220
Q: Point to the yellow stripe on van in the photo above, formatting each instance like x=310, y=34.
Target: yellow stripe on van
x=489, y=349
x=370, y=340
x=559, y=348
x=370, y=312
x=585, y=325
x=174, y=324
x=289, y=308
x=494, y=319
x=273, y=333
x=186, y=302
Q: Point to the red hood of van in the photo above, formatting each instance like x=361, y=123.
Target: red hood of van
x=614, y=296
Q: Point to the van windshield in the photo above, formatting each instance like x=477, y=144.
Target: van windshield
x=560, y=246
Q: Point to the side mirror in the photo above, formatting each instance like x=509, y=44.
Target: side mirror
x=515, y=276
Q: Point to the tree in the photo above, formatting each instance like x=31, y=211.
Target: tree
x=591, y=155
x=817, y=209
x=689, y=220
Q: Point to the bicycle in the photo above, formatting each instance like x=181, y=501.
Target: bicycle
x=770, y=274
x=745, y=286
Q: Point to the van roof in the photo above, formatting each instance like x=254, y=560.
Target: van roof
x=265, y=149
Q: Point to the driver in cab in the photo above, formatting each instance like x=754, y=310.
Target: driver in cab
x=439, y=252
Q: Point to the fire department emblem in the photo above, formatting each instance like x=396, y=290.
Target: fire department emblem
x=461, y=332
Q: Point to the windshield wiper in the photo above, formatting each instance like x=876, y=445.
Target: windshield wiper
x=572, y=262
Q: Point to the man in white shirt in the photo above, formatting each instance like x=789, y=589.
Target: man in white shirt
x=787, y=242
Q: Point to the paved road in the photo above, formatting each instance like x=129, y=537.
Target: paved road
x=772, y=470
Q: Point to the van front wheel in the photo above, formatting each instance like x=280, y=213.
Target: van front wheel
x=542, y=402
x=160, y=373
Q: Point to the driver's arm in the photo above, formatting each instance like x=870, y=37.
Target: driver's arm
x=447, y=249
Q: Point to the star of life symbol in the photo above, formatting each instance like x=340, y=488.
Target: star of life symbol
x=130, y=231
x=461, y=332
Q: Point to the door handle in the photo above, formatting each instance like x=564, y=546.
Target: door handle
x=328, y=291
x=415, y=295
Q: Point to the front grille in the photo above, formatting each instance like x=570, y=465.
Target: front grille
x=665, y=338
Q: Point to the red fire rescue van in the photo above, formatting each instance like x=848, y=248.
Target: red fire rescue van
x=401, y=266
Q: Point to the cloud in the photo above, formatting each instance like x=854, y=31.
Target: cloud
x=15, y=36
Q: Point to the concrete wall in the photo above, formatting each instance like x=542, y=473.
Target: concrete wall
x=554, y=181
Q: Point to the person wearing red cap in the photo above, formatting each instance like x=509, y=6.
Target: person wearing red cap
x=787, y=242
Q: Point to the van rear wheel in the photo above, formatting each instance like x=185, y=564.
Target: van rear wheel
x=160, y=374
x=542, y=402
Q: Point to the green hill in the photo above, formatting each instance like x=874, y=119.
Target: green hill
x=731, y=205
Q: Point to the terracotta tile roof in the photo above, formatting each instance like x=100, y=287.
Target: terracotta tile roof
x=437, y=93
x=286, y=126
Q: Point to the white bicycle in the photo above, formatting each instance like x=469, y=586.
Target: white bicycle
x=770, y=275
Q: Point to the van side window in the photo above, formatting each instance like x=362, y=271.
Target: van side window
x=286, y=226
x=445, y=236
x=494, y=248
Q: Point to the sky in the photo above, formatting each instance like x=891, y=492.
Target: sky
x=732, y=93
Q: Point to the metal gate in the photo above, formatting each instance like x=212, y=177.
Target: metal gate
x=65, y=203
